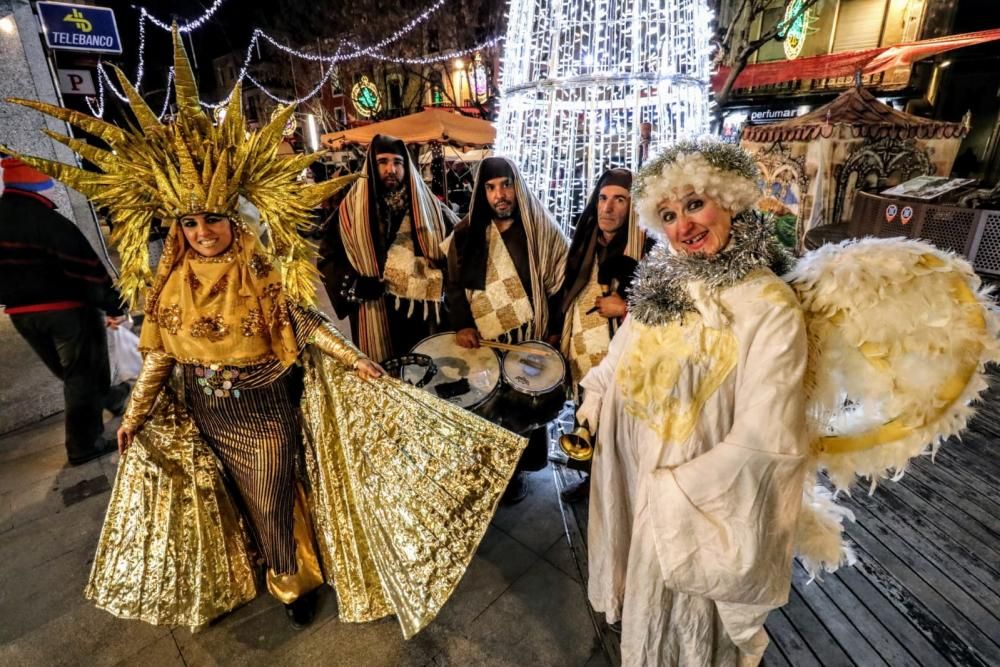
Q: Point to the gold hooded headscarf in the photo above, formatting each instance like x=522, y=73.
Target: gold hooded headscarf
x=162, y=171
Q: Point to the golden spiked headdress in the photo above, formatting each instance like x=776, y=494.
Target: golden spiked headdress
x=167, y=170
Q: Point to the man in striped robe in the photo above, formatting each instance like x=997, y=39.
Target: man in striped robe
x=381, y=259
x=506, y=261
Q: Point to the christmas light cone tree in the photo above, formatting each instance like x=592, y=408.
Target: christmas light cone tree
x=592, y=84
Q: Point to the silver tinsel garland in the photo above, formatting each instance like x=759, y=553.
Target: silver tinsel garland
x=658, y=293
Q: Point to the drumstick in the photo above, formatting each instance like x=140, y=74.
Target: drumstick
x=507, y=347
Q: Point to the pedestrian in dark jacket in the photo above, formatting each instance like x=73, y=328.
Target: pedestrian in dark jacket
x=54, y=287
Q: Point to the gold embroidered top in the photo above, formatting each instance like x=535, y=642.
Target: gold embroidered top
x=229, y=309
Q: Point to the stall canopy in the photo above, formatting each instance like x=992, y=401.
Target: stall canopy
x=813, y=165
x=430, y=126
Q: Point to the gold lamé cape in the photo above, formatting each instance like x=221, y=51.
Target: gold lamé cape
x=402, y=488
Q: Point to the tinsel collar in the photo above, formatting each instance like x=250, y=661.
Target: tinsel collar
x=659, y=291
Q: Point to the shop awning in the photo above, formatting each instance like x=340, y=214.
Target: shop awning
x=869, y=61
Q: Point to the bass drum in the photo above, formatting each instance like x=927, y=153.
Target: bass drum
x=469, y=378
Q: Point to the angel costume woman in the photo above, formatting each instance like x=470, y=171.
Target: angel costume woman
x=247, y=396
x=705, y=453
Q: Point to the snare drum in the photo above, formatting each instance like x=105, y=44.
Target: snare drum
x=480, y=367
x=535, y=368
x=521, y=393
x=533, y=391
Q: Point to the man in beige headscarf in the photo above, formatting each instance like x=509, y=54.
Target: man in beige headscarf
x=505, y=267
x=607, y=244
x=381, y=259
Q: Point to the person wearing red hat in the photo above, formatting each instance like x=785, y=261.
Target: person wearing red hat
x=53, y=287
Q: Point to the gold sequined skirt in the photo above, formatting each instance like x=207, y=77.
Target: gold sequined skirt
x=172, y=549
x=402, y=487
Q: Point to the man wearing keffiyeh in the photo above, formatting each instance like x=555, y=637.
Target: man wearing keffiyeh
x=381, y=259
x=506, y=261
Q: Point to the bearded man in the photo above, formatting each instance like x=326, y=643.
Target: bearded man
x=381, y=259
x=505, y=267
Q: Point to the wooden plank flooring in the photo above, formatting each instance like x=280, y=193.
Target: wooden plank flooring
x=926, y=588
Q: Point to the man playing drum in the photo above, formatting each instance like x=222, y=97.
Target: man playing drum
x=506, y=261
x=381, y=260
x=607, y=244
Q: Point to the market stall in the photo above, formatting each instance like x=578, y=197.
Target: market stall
x=425, y=127
x=444, y=139
x=813, y=165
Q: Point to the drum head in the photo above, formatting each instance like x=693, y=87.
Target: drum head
x=535, y=368
x=479, y=366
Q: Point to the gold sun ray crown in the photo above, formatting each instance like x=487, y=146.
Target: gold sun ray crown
x=161, y=171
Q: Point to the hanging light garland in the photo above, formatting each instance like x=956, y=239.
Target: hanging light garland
x=589, y=85
x=190, y=26
x=371, y=51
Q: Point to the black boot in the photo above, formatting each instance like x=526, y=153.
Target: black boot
x=302, y=611
x=517, y=489
x=100, y=448
x=576, y=492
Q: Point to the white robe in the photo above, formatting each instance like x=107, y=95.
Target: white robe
x=698, y=474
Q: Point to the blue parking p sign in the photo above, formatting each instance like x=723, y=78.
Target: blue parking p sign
x=79, y=27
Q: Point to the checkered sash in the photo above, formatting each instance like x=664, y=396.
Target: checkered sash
x=408, y=276
x=503, y=306
x=586, y=337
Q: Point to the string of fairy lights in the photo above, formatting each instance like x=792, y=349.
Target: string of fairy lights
x=355, y=51
x=590, y=84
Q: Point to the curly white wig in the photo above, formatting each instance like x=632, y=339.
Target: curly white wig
x=724, y=172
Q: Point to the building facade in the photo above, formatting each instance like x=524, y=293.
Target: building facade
x=944, y=87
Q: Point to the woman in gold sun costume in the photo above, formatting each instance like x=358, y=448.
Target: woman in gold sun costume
x=248, y=397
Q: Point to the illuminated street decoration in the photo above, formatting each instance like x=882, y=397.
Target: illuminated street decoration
x=480, y=79
x=366, y=98
x=797, y=25
x=591, y=84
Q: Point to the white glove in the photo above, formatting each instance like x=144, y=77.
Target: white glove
x=589, y=411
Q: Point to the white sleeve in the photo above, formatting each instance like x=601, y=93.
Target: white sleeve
x=724, y=522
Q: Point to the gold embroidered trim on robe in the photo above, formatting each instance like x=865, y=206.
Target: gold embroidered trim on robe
x=671, y=370
x=408, y=276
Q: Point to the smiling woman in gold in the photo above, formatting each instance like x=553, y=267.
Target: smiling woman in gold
x=241, y=373
x=217, y=310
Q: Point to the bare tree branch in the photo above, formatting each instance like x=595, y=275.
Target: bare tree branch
x=739, y=47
